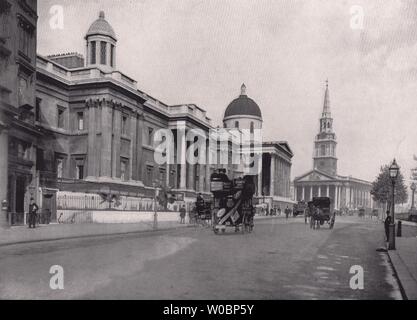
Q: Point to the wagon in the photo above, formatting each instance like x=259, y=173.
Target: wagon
x=233, y=203
x=320, y=213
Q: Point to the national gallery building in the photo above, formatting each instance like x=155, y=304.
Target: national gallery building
x=93, y=142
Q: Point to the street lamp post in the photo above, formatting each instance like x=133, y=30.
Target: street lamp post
x=393, y=172
x=155, y=206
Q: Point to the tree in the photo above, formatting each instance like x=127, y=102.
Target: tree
x=414, y=171
x=382, y=188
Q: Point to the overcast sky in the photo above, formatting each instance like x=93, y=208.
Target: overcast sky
x=201, y=51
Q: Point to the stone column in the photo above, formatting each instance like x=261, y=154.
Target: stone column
x=139, y=143
x=116, y=142
x=91, y=149
x=207, y=167
x=260, y=184
x=303, y=193
x=319, y=192
x=311, y=193
x=167, y=174
x=106, y=136
x=191, y=176
x=108, y=55
x=336, y=197
x=4, y=163
x=327, y=191
x=133, y=145
x=272, y=176
x=201, y=174
x=182, y=147
x=98, y=51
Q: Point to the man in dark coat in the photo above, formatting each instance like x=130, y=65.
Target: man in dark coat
x=33, y=209
x=387, y=222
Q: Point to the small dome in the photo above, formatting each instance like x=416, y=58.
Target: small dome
x=243, y=105
x=101, y=27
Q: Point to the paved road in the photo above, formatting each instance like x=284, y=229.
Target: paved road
x=279, y=260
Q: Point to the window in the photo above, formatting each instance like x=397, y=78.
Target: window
x=162, y=175
x=93, y=52
x=236, y=124
x=251, y=127
x=25, y=38
x=79, y=171
x=150, y=137
x=59, y=167
x=38, y=109
x=124, y=125
x=124, y=164
x=80, y=121
x=39, y=159
x=103, y=52
x=149, y=175
x=60, y=117
x=22, y=150
x=112, y=55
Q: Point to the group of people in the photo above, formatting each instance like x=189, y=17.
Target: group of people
x=277, y=211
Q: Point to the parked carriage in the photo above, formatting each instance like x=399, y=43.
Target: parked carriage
x=319, y=212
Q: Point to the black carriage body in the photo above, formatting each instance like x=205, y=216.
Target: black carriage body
x=321, y=207
x=232, y=204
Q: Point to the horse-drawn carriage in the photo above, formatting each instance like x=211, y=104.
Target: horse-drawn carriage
x=319, y=213
x=233, y=202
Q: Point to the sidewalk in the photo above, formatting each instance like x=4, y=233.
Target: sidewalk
x=404, y=260
x=23, y=234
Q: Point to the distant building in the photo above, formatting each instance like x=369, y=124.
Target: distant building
x=273, y=184
x=346, y=192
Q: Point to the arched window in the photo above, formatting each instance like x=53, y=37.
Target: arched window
x=252, y=128
x=236, y=124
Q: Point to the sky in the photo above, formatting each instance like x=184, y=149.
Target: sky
x=283, y=50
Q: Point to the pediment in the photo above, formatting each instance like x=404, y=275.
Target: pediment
x=315, y=175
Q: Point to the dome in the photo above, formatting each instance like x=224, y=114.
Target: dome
x=101, y=27
x=243, y=106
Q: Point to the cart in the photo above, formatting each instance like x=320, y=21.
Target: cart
x=233, y=203
x=320, y=213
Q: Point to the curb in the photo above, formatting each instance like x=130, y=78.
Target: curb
x=98, y=235
x=396, y=275
x=86, y=236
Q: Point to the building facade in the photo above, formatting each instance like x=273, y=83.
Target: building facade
x=273, y=181
x=18, y=132
x=346, y=192
x=81, y=135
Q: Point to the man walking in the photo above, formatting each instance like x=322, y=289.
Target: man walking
x=287, y=212
x=182, y=214
x=33, y=209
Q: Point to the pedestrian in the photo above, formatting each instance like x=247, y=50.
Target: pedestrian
x=287, y=212
x=387, y=222
x=182, y=214
x=33, y=209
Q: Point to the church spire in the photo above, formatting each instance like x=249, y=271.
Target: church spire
x=326, y=104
